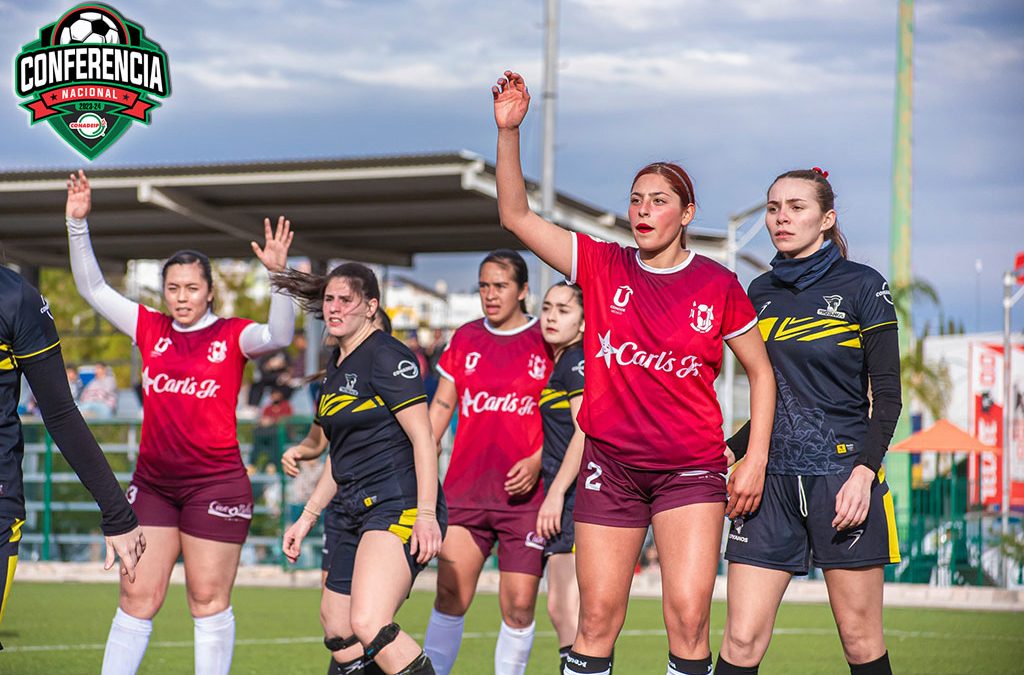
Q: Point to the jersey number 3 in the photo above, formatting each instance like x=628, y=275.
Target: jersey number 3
x=591, y=482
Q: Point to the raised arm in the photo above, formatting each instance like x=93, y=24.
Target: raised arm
x=277, y=332
x=114, y=307
x=551, y=243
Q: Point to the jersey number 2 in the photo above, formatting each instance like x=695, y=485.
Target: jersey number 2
x=591, y=482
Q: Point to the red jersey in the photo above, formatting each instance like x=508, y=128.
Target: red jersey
x=498, y=376
x=653, y=348
x=190, y=383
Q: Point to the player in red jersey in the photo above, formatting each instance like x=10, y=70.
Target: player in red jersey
x=658, y=316
x=190, y=490
x=493, y=370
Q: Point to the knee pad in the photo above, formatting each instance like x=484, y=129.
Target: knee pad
x=336, y=644
x=420, y=666
x=384, y=637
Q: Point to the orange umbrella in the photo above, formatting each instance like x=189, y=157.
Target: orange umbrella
x=943, y=436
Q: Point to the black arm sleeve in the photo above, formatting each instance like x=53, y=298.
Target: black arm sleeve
x=49, y=384
x=738, y=442
x=882, y=357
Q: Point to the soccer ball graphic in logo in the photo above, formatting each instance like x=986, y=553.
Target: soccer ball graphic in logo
x=90, y=27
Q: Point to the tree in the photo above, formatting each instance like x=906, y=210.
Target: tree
x=926, y=383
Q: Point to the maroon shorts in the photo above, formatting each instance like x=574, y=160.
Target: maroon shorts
x=218, y=508
x=612, y=494
x=520, y=548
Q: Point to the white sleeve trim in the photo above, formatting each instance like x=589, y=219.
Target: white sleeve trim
x=277, y=333
x=112, y=306
x=444, y=373
x=741, y=331
x=575, y=254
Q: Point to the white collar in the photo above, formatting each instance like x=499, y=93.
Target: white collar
x=657, y=270
x=208, y=319
x=515, y=331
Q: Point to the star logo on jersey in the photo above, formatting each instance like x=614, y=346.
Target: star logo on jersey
x=621, y=299
x=538, y=367
x=350, y=385
x=702, y=317
x=578, y=368
x=218, y=351
x=407, y=369
x=45, y=309
x=832, y=308
x=607, y=350
x=161, y=346
x=472, y=359
x=885, y=294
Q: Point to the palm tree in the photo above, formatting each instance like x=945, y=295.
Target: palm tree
x=927, y=384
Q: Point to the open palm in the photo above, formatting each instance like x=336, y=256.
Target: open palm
x=511, y=100
x=274, y=254
x=79, y=196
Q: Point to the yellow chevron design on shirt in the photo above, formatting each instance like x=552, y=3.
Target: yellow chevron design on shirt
x=808, y=329
x=7, y=360
x=369, y=404
x=550, y=394
x=332, y=403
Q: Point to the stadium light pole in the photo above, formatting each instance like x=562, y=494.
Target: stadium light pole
x=733, y=243
x=1009, y=300
x=549, y=97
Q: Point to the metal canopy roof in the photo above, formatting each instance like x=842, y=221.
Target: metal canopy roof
x=376, y=209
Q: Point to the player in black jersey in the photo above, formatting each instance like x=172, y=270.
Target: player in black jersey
x=29, y=346
x=830, y=328
x=561, y=321
x=390, y=514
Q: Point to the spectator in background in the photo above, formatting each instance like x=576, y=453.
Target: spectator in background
x=99, y=398
x=272, y=370
x=74, y=381
x=279, y=408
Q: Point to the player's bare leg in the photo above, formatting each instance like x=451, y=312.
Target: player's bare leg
x=688, y=540
x=335, y=610
x=754, y=596
x=605, y=559
x=563, y=596
x=856, y=599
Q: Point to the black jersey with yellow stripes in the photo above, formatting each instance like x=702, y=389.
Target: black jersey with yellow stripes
x=565, y=383
x=357, y=406
x=813, y=338
x=27, y=333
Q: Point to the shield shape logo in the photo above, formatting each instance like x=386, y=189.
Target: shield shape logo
x=91, y=75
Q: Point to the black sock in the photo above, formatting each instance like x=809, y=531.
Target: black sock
x=421, y=665
x=354, y=667
x=586, y=665
x=879, y=666
x=562, y=653
x=370, y=667
x=723, y=667
x=689, y=666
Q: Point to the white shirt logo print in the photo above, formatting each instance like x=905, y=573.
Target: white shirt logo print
x=537, y=367
x=161, y=346
x=218, y=351
x=703, y=317
x=622, y=296
x=472, y=359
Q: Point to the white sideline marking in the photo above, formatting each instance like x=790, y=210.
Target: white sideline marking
x=490, y=635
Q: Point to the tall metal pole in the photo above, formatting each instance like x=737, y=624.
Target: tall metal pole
x=547, y=178
x=1007, y=401
x=898, y=466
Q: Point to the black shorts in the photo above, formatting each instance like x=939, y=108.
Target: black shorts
x=384, y=503
x=793, y=526
x=564, y=541
x=10, y=538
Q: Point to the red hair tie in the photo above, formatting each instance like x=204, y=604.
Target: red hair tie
x=818, y=169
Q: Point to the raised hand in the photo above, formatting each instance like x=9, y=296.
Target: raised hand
x=129, y=547
x=274, y=254
x=511, y=100
x=79, y=196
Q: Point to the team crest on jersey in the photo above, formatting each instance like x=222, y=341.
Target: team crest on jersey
x=161, y=346
x=472, y=359
x=91, y=75
x=537, y=368
x=45, y=309
x=702, y=317
x=832, y=310
x=350, y=385
x=621, y=299
x=218, y=351
x=885, y=294
x=578, y=368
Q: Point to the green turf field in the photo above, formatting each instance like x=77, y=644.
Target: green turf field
x=61, y=628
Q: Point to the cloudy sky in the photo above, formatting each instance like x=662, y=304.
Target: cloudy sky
x=737, y=91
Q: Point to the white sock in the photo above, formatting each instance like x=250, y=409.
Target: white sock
x=215, y=642
x=512, y=652
x=126, y=644
x=443, y=639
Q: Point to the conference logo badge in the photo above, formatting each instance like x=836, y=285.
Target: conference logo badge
x=91, y=75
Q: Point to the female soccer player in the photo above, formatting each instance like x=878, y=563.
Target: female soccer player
x=658, y=316
x=29, y=346
x=494, y=370
x=830, y=328
x=561, y=320
x=389, y=513
x=190, y=490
